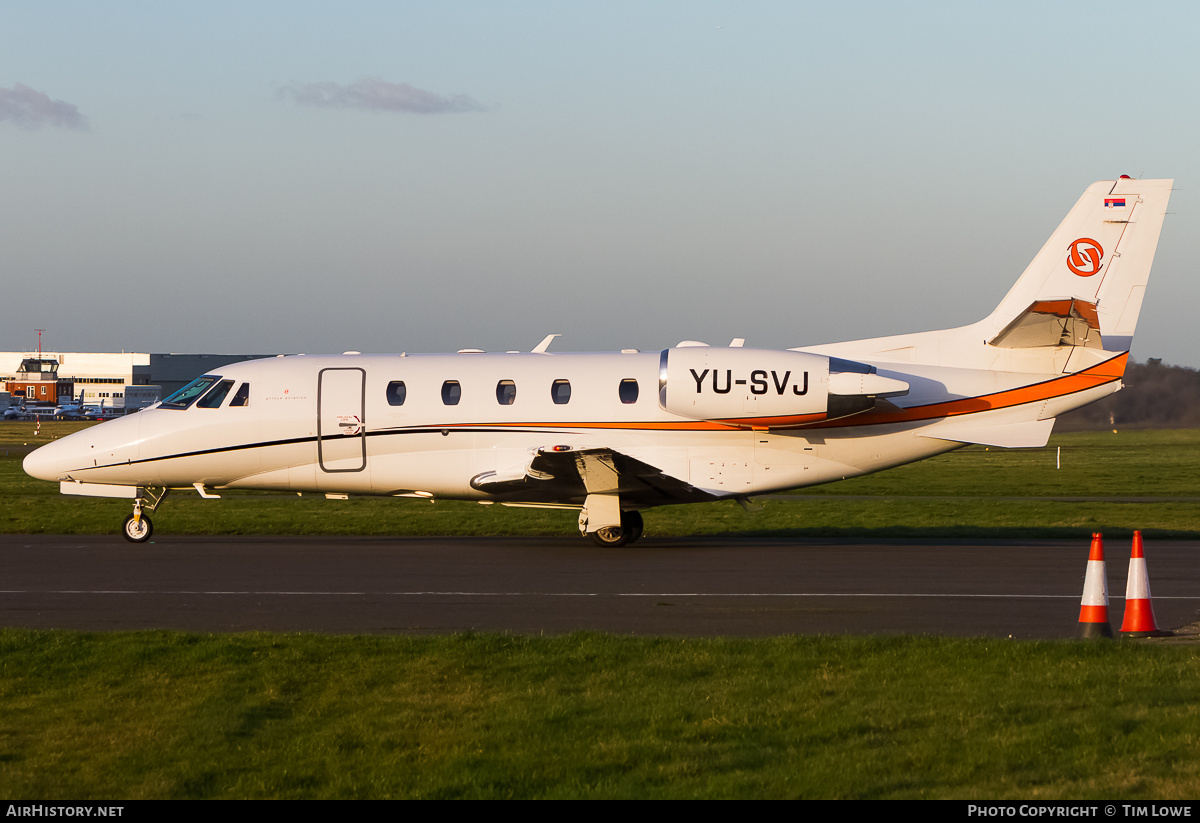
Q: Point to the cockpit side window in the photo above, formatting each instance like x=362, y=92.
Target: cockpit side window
x=242, y=396
x=215, y=396
x=186, y=396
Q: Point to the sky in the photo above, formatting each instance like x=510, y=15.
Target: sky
x=428, y=176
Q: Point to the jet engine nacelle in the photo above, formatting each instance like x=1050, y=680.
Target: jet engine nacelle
x=760, y=388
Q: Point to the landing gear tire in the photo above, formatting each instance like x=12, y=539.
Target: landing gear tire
x=631, y=522
x=137, y=531
x=611, y=537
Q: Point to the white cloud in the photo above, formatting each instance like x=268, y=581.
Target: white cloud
x=378, y=95
x=32, y=109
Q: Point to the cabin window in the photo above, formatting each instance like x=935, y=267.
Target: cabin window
x=396, y=393
x=561, y=392
x=242, y=396
x=628, y=390
x=506, y=392
x=216, y=396
x=451, y=392
x=188, y=395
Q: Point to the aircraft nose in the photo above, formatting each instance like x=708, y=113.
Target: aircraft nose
x=49, y=462
x=84, y=454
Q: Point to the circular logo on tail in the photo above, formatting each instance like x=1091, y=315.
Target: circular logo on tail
x=1084, y=256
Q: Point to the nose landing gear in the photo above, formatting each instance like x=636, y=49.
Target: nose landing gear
x=137, y=527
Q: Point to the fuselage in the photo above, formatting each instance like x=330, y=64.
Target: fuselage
x=431, y=424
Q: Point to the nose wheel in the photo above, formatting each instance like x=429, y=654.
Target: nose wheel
x=137, y=529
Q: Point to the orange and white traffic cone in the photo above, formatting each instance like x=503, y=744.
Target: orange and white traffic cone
x=1139, y=611
x=1093, y=609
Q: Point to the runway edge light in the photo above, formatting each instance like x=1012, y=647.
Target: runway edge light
x=1093, y=610
x=1139, y=610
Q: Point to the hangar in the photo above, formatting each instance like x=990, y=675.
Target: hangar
x=116, y=381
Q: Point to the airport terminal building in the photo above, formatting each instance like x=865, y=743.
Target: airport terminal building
x=116, y=381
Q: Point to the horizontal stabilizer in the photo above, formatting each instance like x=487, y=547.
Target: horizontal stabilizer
x=1028, y=435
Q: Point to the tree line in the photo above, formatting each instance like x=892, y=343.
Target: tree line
x=1156, y=396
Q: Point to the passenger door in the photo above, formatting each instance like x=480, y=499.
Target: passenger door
x=341, y=420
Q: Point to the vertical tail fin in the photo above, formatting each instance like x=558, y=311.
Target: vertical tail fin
x=1076, y=305
x=1089, y=279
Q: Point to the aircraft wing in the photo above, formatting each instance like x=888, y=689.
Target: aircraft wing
x=576, y=473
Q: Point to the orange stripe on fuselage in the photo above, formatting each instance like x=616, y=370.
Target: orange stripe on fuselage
x=1098, y=375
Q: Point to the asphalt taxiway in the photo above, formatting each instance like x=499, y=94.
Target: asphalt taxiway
x=671, y=586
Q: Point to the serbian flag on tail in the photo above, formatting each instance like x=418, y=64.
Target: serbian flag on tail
x=1114, y=203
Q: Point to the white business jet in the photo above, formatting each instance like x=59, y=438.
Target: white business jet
x=611, y=434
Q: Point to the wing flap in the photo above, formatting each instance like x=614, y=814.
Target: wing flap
x=557, y=473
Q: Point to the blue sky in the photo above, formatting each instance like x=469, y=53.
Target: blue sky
x=317, y=177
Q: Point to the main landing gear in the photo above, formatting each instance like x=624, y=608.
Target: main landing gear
x=614, y=536
x=137, y=527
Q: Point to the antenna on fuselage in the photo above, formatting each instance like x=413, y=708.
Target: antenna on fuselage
x=541, y=348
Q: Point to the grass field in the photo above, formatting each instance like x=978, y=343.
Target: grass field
x=168, y=715
x=973, y=492
x=152, y=715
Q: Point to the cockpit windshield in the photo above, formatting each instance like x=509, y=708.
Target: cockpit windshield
x=216, y=396
x=186, y=396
